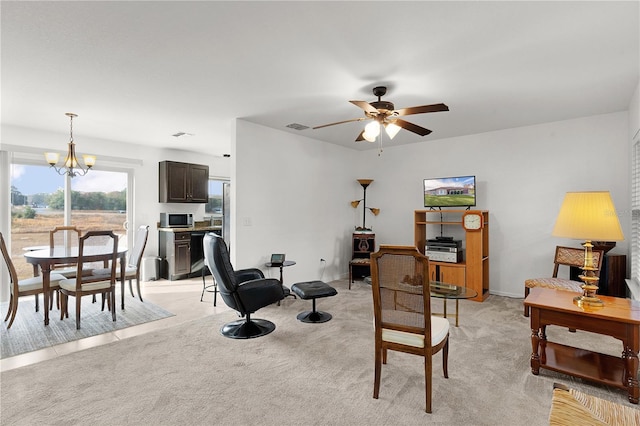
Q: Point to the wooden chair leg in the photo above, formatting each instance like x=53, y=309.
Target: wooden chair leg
x=428, y=385
x=113, y=304
x=138, y=288
x=377, y=372
x=13, y=308
x=131, y=288
x=55, y=293
x=37, y=302
x=9, y=308
x=526, y=308
x=445, y=359
x=350, y=275
x=64, y=306
x=78, y=304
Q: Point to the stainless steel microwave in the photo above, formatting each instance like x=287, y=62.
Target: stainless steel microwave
x=176, y=220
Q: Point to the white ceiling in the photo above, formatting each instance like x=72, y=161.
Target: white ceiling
x=142, y=71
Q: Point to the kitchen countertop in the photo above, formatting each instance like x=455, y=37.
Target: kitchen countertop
x=192, y=229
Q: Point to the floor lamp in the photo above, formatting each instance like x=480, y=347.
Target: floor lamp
x=589, y=216
x=364, y=183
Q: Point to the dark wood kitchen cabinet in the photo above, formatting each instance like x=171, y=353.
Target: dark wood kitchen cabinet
x=182, y=252
x=175, y=249
x=183, y=182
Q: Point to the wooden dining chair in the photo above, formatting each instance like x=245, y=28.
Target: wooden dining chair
x=132, y=270
x=92, y=244
x=26, y=287
x=402, y=312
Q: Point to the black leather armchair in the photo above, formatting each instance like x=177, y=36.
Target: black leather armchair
x=245, y=290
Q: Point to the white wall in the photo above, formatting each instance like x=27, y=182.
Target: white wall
x=522, y=175
x=291, y=194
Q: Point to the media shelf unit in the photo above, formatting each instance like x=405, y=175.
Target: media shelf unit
x=473, y=271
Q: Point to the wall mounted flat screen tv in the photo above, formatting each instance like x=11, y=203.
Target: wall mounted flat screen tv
x=457, y=191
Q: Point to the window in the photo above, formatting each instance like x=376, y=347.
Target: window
x=214, y=207
x=32, y=188
x=98, y=201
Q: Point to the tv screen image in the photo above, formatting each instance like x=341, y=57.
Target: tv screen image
x=457, y=191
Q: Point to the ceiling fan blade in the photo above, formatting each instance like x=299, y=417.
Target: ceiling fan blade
x=341, y=122
x=365, y=106
x=422, y=109
x=411, y=127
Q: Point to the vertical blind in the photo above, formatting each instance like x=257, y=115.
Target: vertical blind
x=635, y=214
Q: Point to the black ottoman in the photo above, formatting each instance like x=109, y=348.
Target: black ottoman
x=313, y=290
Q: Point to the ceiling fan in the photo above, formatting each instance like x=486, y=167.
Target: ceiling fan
x=385, y=115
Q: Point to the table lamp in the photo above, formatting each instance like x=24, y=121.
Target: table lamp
x=588, y=216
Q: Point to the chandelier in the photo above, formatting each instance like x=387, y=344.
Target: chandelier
x=71, y=166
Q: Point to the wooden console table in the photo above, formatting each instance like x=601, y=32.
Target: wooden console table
x=619, y=318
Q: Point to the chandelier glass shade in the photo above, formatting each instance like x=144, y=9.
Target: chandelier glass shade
x=372, y=130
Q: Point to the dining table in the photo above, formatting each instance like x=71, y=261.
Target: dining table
x=47, y=258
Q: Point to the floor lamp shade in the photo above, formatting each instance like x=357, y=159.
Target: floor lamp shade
x=588, y=216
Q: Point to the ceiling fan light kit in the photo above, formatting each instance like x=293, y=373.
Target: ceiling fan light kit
x=383, y=113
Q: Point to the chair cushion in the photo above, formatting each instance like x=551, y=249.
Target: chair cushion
x=556, y=283
x=72, y=271
x=129, y=271
x=70, y=285
x=313, y=290
x=35, y=283
x=439, y=331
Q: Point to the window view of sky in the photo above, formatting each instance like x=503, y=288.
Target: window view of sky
x=37, y=179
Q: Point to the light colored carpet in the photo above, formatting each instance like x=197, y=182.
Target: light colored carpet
x=28, y=332
x=301, y=374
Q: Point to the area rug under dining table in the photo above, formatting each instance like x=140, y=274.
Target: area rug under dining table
x=28, y=332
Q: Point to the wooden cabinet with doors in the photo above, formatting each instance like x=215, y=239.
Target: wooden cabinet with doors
x=183, y=182
x=175, y=250
x=447, y=273
x=473, y=271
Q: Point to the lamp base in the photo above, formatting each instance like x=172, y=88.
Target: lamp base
x=588, y=301
x=589, y=297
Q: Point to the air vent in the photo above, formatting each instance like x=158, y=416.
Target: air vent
x=181, y=134
x=297, y=126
